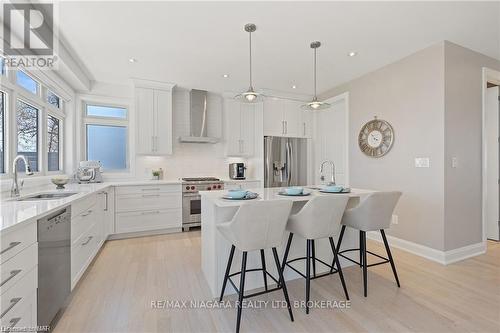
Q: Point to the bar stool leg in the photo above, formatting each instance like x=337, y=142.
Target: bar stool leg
x=228, y=269
x=360, y=248
x=365, y=272
x=263, y=260
x=340, y=238
x=336, y=260
x=313, y=245
x=285, y=257
x=282, y=282
x=388, y=250
x=242, y=290
x=308, y=274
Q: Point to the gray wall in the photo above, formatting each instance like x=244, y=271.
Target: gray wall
x=463, y=128
x=410, y=95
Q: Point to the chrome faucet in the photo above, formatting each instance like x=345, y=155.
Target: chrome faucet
x=14, y=191
x=333, y=171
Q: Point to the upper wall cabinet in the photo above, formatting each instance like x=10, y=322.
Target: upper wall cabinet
x=154, y=117
x=284, y=117
x=240, y=127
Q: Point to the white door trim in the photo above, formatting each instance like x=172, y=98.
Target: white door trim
x=488, y=75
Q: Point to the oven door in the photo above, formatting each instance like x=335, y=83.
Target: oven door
x=191, y=208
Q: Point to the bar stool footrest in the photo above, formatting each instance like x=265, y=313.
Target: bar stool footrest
x=385, y=260
x=257, y=293
x=332, y=270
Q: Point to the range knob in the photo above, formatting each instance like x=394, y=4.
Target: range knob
x=192, y=187
x=187, y=187
x=208, y=188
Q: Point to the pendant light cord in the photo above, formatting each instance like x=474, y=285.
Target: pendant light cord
x=315, y=98
x=250, y=41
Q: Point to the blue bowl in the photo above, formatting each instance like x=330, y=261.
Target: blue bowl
x=237, y=194
x=333, y=188
x=294, y=190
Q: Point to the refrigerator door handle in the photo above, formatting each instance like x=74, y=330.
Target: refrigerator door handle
x=289, y=158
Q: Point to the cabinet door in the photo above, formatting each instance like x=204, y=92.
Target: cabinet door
x=233, y=127
x=108, y=203
x=306, y=124
x=163, y=122
x=292, y=116
x=145, y=120
x=247, y=128
x=273, y=117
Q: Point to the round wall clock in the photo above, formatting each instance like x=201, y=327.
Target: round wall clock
x=376, y=138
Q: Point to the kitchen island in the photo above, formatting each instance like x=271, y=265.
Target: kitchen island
x=215, y=248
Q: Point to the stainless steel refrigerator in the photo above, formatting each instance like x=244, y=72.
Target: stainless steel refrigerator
x=285, y=161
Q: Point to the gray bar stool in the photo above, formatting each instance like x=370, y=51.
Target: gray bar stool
x=256, y=226
x=373, y=213
x=319, y=218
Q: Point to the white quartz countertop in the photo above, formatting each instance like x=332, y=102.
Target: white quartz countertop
x=14, y=213
x=272, y=194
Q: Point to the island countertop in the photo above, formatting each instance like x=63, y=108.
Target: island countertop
x=272, y=193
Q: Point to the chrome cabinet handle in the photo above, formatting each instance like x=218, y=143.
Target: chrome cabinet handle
x=151, y=213
x=13, y=322
x=304, y=127
x=88, y=213
x=286, y=127
x=13, y=303
x=150, y=195
x=12, y=274
x=87, y=241
x=10, y=247
x=106, y=198
x=282, y=127
x=151, y=189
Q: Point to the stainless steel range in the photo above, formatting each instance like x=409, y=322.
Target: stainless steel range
x=191, y=199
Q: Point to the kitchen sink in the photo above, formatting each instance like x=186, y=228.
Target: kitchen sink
x=46, y=196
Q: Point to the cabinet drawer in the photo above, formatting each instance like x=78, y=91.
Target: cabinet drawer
x=84, y=248
x=148, y=220
x=83, y=205
x=14, y=299
x=148, y=201
x=147, y=189
x=15, y=241
x=83, y=221
x=22, y=315
x=14, y=269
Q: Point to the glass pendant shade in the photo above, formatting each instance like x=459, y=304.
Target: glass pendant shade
x=249, y=96
x=315, y=105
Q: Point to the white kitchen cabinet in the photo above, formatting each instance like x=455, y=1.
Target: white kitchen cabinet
x=147, y=207
x=240, y=127
x=153, y=103
x=306, y=124
x=283, y=117
x=107, y=202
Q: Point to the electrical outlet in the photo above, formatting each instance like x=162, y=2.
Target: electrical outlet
x=394, y=219
x=454, y=162
x=422, y=162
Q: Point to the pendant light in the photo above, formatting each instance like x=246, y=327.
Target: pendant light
x=249, y=96
x=315, y=104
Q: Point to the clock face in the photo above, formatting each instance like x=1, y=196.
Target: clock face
x=375, y=138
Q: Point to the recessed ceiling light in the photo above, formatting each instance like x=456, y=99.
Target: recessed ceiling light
x=132, y=60
x=352, y=54
x=294, y=87
x=225, y=75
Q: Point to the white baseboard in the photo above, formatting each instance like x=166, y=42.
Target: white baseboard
x=442, y=257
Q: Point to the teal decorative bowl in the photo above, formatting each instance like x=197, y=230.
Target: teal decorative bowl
x=237, y=194
x=333, y=188
x=294, y=190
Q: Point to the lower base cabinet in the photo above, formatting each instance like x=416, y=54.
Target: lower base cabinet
x=148, y=220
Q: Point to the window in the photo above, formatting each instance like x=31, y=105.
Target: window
x=106, y=130
x=27, y=82
x=27, y=133
x=107, y=144
x=2, y=132
x=53, y=132
x=2, y=66
x=53, y=99
x=106, y=111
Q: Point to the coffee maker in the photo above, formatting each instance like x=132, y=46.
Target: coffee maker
x=237, y=171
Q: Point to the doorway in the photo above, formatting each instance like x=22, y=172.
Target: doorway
x=491, y=149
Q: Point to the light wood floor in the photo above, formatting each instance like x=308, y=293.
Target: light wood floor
x=116, y=293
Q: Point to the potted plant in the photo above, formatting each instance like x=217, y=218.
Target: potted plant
x=156, y=175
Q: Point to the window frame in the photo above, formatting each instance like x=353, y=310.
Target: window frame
x=14, y=92
x=38, y=84
x=6, y=132
x=107, y=121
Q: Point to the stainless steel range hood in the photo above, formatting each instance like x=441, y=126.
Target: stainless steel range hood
x=198, y=119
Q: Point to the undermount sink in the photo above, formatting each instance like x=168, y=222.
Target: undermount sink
x=46, y=196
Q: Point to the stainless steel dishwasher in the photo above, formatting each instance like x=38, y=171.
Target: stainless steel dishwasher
x=54, y=264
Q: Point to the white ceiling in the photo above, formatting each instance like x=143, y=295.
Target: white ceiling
x=193, y=44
